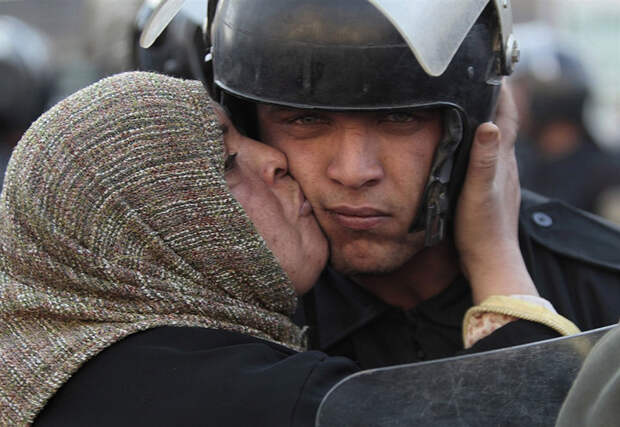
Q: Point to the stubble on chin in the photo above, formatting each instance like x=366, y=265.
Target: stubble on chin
x=376, y=257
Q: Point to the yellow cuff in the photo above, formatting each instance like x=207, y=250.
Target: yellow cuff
x=522, y=310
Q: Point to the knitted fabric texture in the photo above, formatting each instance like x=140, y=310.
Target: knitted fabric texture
x=115, y=218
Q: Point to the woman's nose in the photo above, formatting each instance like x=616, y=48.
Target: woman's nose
x=272, y=163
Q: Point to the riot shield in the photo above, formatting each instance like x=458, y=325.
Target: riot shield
x=518, y=386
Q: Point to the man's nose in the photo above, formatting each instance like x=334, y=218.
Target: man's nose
x=272, y=163
x=356, y=162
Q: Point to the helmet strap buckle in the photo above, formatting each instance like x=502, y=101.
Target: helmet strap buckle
x=436, y=214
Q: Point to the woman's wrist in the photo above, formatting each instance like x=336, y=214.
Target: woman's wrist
x=498, y=310
x=503, y=273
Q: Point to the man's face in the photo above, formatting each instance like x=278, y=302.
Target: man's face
x=364, y=174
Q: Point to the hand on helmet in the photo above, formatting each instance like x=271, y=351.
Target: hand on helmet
x=488, y=211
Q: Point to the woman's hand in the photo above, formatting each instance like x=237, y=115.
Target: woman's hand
x=486, y=219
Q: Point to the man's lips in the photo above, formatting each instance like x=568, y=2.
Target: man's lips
x=357, y=218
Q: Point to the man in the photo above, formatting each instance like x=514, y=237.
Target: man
x=376, y=107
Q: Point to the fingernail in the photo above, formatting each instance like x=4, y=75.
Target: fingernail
x=489, y=135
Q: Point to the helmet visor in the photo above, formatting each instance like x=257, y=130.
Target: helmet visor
x=418, y=25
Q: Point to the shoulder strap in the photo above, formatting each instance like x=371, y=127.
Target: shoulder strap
x=569, y=231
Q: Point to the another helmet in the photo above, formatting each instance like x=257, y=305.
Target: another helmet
x=358, y=55
x=179, y=50
x=555, y=79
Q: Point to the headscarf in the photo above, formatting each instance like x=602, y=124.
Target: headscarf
x=115, y=218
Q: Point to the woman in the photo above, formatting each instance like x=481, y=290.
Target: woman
x=115, y=219
x=136, y=288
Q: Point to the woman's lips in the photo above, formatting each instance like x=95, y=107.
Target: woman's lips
x=357, y=218
x=305, y=208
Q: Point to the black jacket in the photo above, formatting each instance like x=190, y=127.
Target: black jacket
x=196, y=376
x=573, y=257
x=186, y=376
x=182, y=376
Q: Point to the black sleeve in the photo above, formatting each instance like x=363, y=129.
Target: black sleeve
x=195, y=377
x=513, y=333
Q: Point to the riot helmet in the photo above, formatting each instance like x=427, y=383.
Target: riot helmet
x=555, y=81
x=179, y=50
x=367, y=55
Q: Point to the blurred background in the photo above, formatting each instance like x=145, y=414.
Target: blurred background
x=566, y=84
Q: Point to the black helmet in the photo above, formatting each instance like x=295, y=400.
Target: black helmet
x=179, y=50
x=554, y=77
x=358, y=55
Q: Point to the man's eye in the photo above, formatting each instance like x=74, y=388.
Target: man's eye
x=307, y=120
x=229, y=163
x=400, y=117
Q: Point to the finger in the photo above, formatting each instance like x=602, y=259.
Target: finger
x=484, y=156
x=507, y=117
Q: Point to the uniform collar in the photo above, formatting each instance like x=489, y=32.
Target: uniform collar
x=342, y=306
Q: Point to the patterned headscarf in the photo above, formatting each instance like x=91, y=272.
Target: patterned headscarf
x=115, y=218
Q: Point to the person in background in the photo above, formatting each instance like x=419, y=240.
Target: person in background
x=26, y=76
x=175, y=52
x=557, y=155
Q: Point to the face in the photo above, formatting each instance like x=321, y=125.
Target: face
x=258, y=178
x=364, y=174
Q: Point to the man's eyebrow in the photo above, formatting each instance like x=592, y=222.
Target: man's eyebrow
x=283, y=109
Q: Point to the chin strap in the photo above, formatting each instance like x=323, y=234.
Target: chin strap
x=434, y=209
